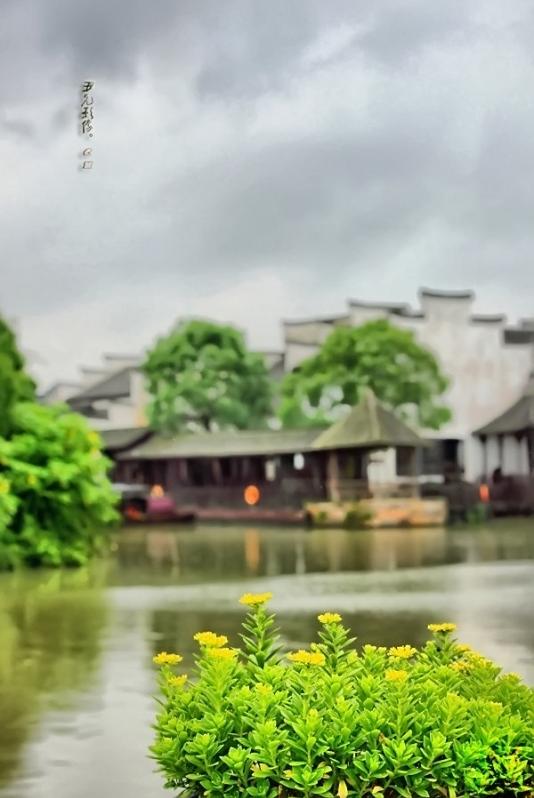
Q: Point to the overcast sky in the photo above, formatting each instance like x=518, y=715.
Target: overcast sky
x=256, y=160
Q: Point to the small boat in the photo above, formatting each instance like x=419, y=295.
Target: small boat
x=141, y=504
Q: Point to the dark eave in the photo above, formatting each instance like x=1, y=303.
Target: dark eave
x=112, y=386
x=436, y=294
x=315, y=320
x=518, y=335
x=394, y=307
x=481, y=318
x=115, y=441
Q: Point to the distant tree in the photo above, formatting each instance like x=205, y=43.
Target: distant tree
x=404, y=375
x=15, y=384
x=202, y=375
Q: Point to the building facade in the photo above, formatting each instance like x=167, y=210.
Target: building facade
x=486, y=361
x=113, y=395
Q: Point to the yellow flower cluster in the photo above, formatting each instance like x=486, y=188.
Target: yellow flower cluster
x=402, y=652
x=254, y=599
x=396, y=675
x=477, y=659
x=167, y=659
x=441, y=627
x=369, y=648
x=460, y=665
x=307, y=657
x=210, y=639
x=222, y=653
x=177, y=681
x=329, y=617
x=464, y=648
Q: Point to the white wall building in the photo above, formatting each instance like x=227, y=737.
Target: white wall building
x=113, y=396
x=116, y=400
x=487, y=362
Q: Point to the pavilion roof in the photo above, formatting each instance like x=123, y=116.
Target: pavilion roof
x=368, y=425
x=115, y=440
x=517, y=418
x=241, y=443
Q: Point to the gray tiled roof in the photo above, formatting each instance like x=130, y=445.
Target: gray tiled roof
x=368, y=425
x=112, y=386
x=225, y=444
x=517, y=418
x=118, y=439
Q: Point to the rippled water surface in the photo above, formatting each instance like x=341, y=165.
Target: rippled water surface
x=76, y=677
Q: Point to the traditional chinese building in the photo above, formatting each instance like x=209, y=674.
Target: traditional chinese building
x=486, y=360
x=288, y=467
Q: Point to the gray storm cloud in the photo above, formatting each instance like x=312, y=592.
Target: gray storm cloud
x=318, y=149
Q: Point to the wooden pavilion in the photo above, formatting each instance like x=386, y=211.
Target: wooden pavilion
x=516, y=423
x=289, y=467
x=508, y=452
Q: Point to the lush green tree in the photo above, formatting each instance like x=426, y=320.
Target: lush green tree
x=202, y=375
x=377, y=355
x=54, y=493
x=15, y=384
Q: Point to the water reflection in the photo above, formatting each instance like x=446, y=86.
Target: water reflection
x=50, y=644
x=219, y=553
x=76, y=673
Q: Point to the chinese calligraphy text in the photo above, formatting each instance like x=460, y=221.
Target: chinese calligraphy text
x=86, y=121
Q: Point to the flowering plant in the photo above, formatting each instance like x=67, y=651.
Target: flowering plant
x=441, y=721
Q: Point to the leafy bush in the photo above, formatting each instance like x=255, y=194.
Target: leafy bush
x=54, y=493
x=337, y=721
x=357, y=517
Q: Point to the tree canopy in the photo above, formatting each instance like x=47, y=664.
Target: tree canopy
x=403, y=375
x=202, y=375
x=15, y=384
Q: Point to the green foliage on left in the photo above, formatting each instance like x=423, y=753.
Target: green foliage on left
x=55, y=497
x=15, y=384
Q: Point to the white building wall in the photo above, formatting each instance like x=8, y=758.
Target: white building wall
x=297, y=352
x=124, y=412
x=120, y=414
x=486, y=375
x=382, y=468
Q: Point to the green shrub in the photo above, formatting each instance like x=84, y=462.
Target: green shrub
x=356, y=517
x=337, y=721
x=477, y=514
x=55, y=497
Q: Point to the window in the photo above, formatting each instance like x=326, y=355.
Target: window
x=298, y=462
x=270, y=470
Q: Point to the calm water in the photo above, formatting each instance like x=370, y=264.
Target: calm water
x=76, y=677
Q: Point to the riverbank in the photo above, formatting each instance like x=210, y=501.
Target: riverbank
x=76, y=650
